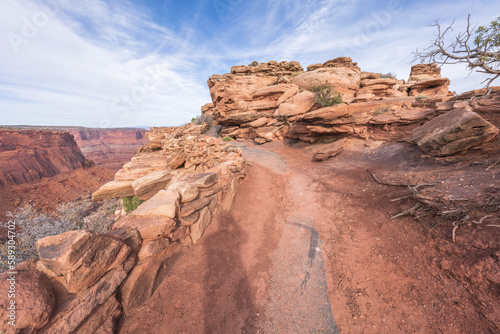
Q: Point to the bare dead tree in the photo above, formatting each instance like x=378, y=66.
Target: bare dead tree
x=479, y=48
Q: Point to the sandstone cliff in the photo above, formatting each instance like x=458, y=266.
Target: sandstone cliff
x=30, y=155
x=109, y=148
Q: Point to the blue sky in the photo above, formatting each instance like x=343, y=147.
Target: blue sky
x=114, y=63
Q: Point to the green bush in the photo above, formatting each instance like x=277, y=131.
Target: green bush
x=326, y=96
x=131, y=203
x=254, y=63
x=227, y=138
x=421, y=97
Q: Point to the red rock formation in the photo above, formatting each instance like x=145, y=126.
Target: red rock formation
x=109, y=148
x=30, y=155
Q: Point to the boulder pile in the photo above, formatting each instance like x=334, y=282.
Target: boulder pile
x=84, y=281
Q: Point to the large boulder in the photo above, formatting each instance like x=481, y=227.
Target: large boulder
x=145, y=278
x=278, y=93
x=149, y=227
x=330, y=150
x=424, y=71
x=430, y=87
x=340, y=72
x=453, y=132
x=149, y=185
x=297, y=105
x=81, y=256
x=165, y=203
x=345, y=80
x=32, y=301
x=114, y=189
x=72, y=314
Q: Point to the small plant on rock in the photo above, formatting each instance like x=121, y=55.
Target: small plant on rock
x=131, y=203
x=227, y=138
x=254, y=63
x=326, y=96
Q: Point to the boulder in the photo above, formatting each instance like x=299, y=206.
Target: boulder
x=81, y=256
x=203, y=180
x=165, y=203
x=114, y=189
x=330, y=150
x=297, y=105
x=179, y=233
x=177, y=160
x=430, y=87
x=490, y=103
x=453, y=132
x=198, y=228
x=189, y=220
x=257, y=123
x=69, y=316
x=244, y=117
x=313, y=67
x=424, y=71
x=187, y=191
x=152, y=247
x=109, y=310
x=147, y=276
x=345, y=80
x=34, y=301
x=149, y=227
x=149, y=185
x=130, y=237
x=193, y=206
x=278, y=93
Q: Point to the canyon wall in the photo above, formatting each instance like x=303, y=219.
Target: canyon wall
x=109, y=148
x=30, y=155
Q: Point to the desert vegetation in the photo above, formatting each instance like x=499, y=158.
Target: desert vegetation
x=326, y=96
x=70, y=216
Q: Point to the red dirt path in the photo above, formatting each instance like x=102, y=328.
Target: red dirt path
x=384, y=276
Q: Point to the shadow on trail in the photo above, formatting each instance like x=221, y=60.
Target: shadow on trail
x=228, y=306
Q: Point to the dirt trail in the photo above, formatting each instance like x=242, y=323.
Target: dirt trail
x=309, y=248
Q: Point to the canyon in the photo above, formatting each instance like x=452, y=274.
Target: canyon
x=280, y=213
x=45, y=166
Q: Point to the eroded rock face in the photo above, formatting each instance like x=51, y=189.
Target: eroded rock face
x=346, y=80
x=421, y=72
x=34, y=301
x=149, y=185
x=114, y=189
x=73, y=313
x=102, y=316
x=453, y=132
x=145, y=278
x=82, y=257
x=30, y=155
x=149, y=227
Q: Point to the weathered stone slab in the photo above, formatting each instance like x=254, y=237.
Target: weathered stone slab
x=145, y=278
x=453, y=132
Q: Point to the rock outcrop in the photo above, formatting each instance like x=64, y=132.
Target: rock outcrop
x=254, y=102
x=30, y=155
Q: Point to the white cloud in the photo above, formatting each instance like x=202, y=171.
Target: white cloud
x=95, y=62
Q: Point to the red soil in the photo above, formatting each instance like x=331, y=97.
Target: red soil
x=384, y=276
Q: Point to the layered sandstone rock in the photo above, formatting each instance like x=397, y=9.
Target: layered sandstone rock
x=33, y=295
x=426, y=80
x=109, y=148
x=30, y=155
x=453, y=132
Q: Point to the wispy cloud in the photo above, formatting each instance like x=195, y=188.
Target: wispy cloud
x=119, y=63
